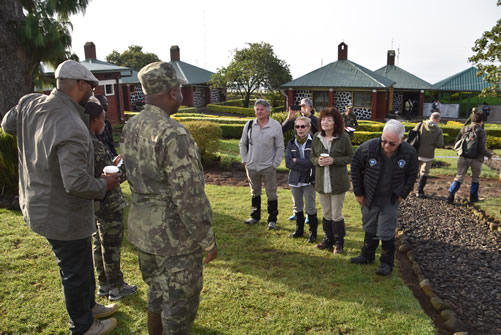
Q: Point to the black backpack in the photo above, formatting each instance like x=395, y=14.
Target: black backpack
x=414, y=136
x=249, y=133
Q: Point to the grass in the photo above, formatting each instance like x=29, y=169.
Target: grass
x=261, y=283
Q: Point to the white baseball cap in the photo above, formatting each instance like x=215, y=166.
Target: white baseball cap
x=73, y=70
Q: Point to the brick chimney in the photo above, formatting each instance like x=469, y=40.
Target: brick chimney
x=90, y=50
x=342, y=51
x=390, y=60
x=174, y=53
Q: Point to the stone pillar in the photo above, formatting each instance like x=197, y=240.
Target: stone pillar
x=290, y=95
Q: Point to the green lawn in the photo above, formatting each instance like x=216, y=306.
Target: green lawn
x=262, y=282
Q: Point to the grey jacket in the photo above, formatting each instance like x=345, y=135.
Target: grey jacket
x=262, y=148
x=56, y=165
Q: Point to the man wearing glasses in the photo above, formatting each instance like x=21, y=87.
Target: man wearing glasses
x=57, y=187
x=383, y=172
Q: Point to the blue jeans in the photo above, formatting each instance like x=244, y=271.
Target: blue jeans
x=74, y=259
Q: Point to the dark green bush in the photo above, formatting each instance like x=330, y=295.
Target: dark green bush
x=8, y=165
x=360, y=137
x=207, y=135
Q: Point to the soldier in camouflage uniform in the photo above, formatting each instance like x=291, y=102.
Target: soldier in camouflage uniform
x=350, y=119
x=170, y=219
x=107, y=240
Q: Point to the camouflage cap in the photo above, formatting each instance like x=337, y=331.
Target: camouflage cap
x=158, y=77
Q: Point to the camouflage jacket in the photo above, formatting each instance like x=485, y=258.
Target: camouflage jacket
x=170, y=213
x=114, y=200
x=350, y=120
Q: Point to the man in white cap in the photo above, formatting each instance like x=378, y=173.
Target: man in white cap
x=57, y=187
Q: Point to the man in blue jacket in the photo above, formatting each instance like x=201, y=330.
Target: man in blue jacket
x=383, y=172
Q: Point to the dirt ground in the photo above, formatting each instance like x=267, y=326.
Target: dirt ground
x=437, y=186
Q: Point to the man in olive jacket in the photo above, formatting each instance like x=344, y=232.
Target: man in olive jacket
x=383, y=172
x=57, y=186
x=430, y=138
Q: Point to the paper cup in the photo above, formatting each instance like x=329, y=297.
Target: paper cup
x=324, y=155
x=110, y=169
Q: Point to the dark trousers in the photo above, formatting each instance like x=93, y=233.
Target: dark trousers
x=77, y=276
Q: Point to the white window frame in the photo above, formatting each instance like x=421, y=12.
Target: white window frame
x=112, y=89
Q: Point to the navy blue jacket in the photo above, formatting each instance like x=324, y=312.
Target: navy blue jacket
x=366, y=168
x=302, y=170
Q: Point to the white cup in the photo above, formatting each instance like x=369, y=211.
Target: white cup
x=110, y=169
x=324, y=155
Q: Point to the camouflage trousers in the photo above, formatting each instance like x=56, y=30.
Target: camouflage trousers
x=174, y=284
x=107, y=242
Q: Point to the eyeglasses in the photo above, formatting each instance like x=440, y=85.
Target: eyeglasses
x=302, y=126
x=391, y=144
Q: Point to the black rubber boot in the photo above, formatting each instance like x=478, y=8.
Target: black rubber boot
x=299, y=225
x=255, y=215
x=368, y=250
x=339, y=232
x=452, y=191
x=313, y=228
x=272, y=213
x=387, y=257
x=421, y=185
x=328, y=240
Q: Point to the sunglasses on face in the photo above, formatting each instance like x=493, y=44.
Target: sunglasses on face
x=302, y=126
x=391, y=144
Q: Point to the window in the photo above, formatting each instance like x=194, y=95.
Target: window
x=109, y=89
x=362, y=99
x=320, y=99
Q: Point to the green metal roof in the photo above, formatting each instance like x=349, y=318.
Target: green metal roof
x=341, y=73
x=193, y=75
x=403, y=79
x=98, y=66
x=465, y=81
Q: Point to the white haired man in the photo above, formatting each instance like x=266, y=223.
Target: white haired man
x=261, y=149
x=383, y=172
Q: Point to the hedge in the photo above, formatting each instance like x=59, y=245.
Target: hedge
x=238, y=110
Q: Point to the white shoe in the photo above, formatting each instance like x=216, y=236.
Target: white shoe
x=272, y=225
x=101, y=327
x=251, y=221
x=101, y=311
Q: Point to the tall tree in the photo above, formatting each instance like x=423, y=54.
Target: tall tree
x=487, y=58
x=31, y=32
x=133, y=58
x=253, y=68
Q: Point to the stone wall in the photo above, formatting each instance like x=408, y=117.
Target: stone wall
x=198, y=96
x=299, y=95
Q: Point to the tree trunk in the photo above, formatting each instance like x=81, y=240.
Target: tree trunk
x=14, y=63
x=246, y=99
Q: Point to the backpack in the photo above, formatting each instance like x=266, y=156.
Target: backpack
x=414, y=136
x=467, y=146
x=249, y=133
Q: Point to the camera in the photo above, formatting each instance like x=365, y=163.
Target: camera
x=296, y=107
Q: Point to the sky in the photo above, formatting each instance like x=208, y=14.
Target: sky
x=432, y=38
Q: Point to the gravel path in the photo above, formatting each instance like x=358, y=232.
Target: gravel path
x=460, y=257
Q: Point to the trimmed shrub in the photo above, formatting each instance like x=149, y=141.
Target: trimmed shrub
x=230, y=109
x=493, y=142
x=8, y=165
x=207, y=135
x=360, y=137
x=232, y=130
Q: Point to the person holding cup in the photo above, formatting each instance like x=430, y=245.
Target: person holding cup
x=331, y=153
x=107, y=241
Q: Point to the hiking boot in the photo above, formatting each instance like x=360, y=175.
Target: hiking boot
x=450, y=198
x=123, y=291
x=101, y=311
x=272, y=225
x=420, y=195
x=384, y=269
x=251, y=221
x=103, y=291
x=338, y=250
x=361, y=260
x=325, y=244
x=100, y=327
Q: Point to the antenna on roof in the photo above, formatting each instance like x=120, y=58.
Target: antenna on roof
x=398, y=55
